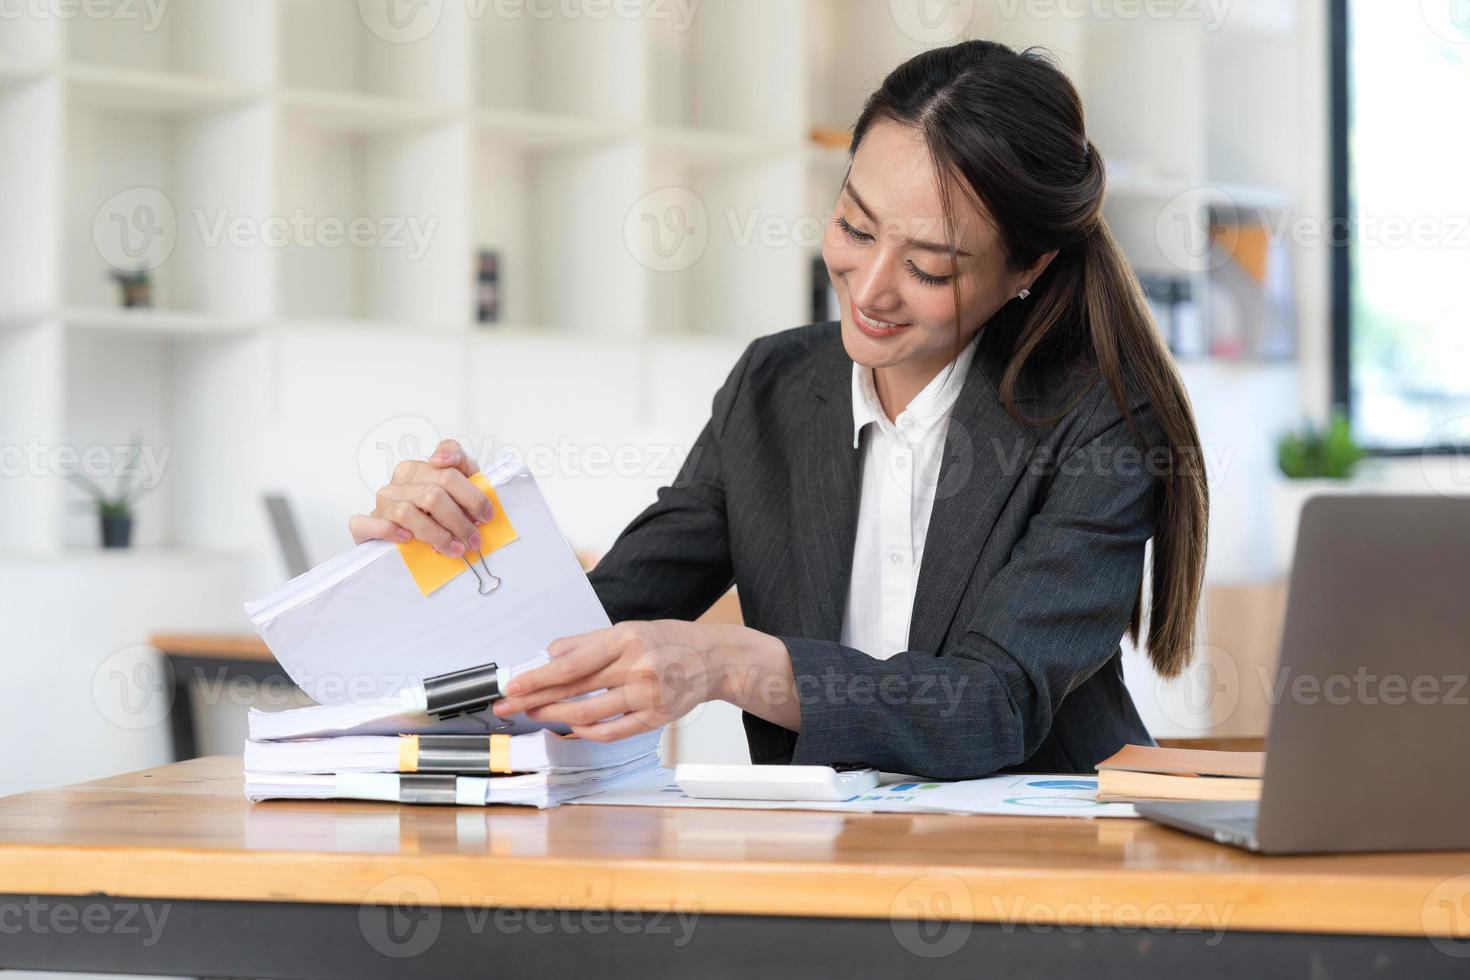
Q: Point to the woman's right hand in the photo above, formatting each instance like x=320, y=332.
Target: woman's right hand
x=431, y=500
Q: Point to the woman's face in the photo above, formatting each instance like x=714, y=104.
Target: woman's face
x=887, y=250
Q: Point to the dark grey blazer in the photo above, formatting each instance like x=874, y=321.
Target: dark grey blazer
x=1030, y=572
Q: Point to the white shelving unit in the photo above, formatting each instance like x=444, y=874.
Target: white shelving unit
x=579, y=149
x=285, y=168
x=643, y=181
x=1190, y=119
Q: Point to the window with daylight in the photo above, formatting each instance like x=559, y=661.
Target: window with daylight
x=1401, y=198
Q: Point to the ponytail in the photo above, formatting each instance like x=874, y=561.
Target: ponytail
x=1125, y=340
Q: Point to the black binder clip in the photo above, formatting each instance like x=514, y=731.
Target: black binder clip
x=421, y=787
x=454, y=753
x=462, y=691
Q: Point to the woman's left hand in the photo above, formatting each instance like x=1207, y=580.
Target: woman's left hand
x=654, y=673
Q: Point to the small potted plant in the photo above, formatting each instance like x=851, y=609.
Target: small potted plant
x=115, y=509
x=1313, y=460
x=136, y=287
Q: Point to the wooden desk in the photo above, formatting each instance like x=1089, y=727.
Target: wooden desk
x=214, y=646
x=358, y=889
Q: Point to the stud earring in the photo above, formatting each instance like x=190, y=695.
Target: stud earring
x=1023, y=294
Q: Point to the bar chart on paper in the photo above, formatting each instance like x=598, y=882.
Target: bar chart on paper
x=1009, y=795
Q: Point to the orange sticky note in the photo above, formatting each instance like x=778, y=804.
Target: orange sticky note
x=431, y=570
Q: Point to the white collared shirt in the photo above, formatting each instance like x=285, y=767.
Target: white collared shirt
x=900, y=471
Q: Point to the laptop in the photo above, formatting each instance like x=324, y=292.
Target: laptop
x=1370, y=714
x=288, y=534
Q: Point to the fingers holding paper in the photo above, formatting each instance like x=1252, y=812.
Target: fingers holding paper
x=449, y=453
x=432, y=500
x=649, y=674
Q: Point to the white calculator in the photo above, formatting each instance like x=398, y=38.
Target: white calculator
x=818, y=783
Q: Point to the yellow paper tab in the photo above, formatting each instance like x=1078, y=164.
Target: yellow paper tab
x=408, y=753
x=500, y=753
x=431, y=570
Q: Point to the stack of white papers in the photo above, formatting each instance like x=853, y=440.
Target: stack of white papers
x=357, y=628
x=538, y=789
x=532, y=752
x=362, y=632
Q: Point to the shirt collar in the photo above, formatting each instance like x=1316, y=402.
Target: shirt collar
x=928, y=406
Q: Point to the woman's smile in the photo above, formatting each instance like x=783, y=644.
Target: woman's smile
x=874, y=327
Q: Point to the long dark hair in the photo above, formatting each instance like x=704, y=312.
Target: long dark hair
x=1005, y=130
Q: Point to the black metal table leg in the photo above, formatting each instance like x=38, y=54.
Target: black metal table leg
x=181, y=713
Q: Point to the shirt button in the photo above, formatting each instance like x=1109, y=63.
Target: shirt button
x=901, y=462
x=905, y=422
x=896, y=558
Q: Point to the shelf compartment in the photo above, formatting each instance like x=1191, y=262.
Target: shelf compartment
x=750, y=277
x=221, y=40
x=194, y=402
x=732, y=67
x=354, y=48
x=28, y=46
x=555, y=218
x=382, y=219
x=583, y=67
x=169, y=193
x=31, y=168
x=31, y=397
x=553, y=214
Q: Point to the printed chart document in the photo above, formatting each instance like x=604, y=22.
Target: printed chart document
x=1011, y=795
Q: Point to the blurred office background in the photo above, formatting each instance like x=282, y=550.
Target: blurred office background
x=275, y=246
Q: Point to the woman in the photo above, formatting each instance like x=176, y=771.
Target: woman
x=935, y=510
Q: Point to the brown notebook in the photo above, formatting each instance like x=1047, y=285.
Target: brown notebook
x=1144, y=772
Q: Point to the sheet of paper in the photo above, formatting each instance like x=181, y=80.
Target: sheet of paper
x=357, y=628
x=431, y=570
x=1015, y=796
